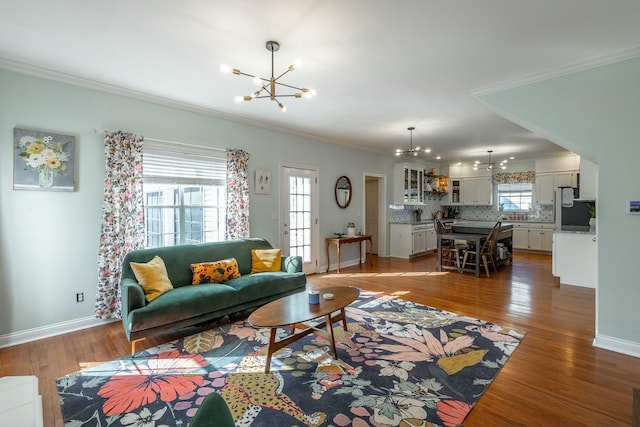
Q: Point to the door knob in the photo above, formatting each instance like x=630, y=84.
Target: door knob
x=286, y=232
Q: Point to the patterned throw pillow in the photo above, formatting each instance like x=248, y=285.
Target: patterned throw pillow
x=215, y=272
x=266, y=260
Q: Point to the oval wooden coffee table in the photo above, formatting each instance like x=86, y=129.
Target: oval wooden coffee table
x=294, y=310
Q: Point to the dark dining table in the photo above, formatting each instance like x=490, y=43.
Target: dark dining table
x=474, y=232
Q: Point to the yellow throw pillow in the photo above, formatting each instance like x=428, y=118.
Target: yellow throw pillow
x=266, y=260
x=152, y=277
x=215, y=272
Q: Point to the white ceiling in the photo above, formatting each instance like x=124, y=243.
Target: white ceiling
x=379, y=66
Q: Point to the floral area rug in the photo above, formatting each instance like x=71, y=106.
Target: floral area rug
x=400, y=364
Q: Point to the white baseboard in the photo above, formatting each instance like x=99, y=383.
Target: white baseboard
x=617, y=344
x=47, y=331
x=343, y=264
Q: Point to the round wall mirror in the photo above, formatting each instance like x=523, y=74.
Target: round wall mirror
x=343, y=192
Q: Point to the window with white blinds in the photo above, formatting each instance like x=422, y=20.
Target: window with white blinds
x=184, y=193
x=517, y=197
x=183, y=165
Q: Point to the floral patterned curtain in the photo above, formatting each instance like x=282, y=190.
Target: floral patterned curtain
x=122, y=216
x=515, y=178
x=237, y=194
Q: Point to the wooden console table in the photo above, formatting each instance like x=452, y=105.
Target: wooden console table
x=339, y=241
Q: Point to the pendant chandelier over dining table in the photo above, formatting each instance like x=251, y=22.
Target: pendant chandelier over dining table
x=489, y=165
x=411, y=151
x=267, y=86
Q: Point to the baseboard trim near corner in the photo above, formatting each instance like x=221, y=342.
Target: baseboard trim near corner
x=47, y=331
x=618, y=345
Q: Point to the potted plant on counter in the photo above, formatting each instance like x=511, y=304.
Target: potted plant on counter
x=592, y=215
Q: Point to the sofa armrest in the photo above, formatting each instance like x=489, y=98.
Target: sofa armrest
x=132, y=296
x=292, y=264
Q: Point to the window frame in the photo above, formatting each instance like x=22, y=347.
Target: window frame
x=500, y=206
x=172, y=171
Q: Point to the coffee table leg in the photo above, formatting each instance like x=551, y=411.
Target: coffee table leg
x=332, y=340
x=272, y=340
x=344, y=319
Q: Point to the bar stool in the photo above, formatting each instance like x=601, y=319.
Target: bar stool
x=451, y=252
x=485, y=253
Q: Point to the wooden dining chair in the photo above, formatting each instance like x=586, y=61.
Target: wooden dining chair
x=485, y=253
x=450, y=251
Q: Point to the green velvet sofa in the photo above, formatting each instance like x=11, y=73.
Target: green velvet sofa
x=187, y=304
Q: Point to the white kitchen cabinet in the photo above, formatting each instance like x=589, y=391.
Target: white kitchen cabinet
x=419, y=239
x=409, y=240
x=588, y=179
x=408, y=181
x=566, y=179
x=541, y=237
x=544, y=189
x=520, y=236
x=477, y=191
x=547, y=182
x=575, y=259
x=533, y=236
x=432, y=239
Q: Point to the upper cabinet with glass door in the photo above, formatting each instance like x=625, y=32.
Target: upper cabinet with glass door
x=408, y=184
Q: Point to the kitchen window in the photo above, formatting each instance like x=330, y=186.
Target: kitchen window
x=517, y=197
x=184, y=195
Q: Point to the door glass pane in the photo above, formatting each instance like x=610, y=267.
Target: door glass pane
x=300, y=217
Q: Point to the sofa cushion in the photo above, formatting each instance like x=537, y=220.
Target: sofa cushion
x=215, y=271
x=152, y=277
x=259, y=285
x=265, y=260
x=183, y=303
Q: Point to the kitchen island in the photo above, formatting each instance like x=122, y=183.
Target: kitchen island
x=476, y=232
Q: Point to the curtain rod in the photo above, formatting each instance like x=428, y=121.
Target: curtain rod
x=94, y=130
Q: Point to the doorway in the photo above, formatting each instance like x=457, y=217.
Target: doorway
x=375, y=212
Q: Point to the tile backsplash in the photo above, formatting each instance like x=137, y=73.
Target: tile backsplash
x=402, y=213
x=489, y=213
x=406, y=213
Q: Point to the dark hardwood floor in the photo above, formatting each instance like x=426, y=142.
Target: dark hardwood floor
x=555, y=377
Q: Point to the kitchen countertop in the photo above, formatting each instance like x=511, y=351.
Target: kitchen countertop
x=475, y=222
x=427, y=223
x=478, y=226
x=590, y=231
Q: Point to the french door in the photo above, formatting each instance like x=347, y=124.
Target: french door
x=299, y=215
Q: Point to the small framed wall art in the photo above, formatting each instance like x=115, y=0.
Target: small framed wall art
x=43, y=161
x=633, y=207
x=263, y=182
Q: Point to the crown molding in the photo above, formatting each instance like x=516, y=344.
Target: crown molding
x=68, y=78
x=572, y=68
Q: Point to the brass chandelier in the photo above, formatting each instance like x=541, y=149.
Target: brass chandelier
x=267, y=86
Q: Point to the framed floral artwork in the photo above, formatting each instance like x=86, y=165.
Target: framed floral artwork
x=263, y=182
x=43, y=161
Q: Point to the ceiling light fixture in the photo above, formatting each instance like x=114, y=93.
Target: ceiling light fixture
x=411, y=151
x=267, y=87
x=489, y=165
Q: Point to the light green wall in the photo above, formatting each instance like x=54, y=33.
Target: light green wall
x=49, y=240
x=596, y=113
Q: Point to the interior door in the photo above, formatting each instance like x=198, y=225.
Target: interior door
x=299, y=215
x=371, y=211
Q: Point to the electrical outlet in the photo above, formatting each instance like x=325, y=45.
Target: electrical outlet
x=80, y=297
